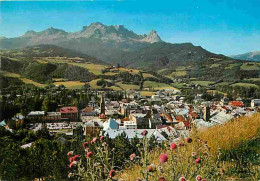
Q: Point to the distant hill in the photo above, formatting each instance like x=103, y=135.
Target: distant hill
x=48, y=50
x=251, y=56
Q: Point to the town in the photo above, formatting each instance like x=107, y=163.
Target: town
x=164, y=115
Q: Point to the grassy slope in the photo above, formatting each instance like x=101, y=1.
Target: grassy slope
x=25, y=80
x=227, y=137
x=157, y=85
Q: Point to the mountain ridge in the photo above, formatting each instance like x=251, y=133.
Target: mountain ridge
x=251, y=56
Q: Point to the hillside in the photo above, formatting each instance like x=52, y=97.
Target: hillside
x=43, y=72
x=251, y=56
x=226, y=152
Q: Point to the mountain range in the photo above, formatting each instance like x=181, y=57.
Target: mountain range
x=251, y=56
x=113, y=45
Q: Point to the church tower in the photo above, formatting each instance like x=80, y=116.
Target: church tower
x=102, y=105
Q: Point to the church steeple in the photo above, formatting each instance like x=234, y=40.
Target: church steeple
x=102, y=105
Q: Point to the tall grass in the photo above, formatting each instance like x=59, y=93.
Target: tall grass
x=234, y=138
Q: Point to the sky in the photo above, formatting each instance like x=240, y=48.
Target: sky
x=226, y=27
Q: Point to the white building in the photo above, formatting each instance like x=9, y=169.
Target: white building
x=255, y=102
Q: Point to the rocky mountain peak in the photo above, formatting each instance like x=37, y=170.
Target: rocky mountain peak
x=153, y=37
x=53, y=31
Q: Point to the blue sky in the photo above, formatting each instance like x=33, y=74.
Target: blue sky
x=221, y=26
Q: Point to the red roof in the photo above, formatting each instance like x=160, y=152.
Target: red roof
x=236, y=103
x=194, y=115
x=69, y=110
x=179, y=118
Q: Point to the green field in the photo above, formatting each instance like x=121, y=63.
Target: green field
x=223, y=83
x=157, y=85
x=231, y=66
x=146, y=75
x=94, y=68
x=249, y=66
x=244, y=85
x=128, y=86
x=215, y=65
x=178, y=73
x=71, y=84
x=203, y=83
x=177, y=85
x=254, y=79
x=25, y=80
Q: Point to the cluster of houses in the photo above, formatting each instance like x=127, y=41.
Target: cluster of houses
x=164, y=115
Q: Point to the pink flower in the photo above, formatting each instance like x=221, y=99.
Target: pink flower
x=198, y=178
x=69, y=175
x=144, y=133
x=102, y=138
x=76, y=158
x=70, y=153
x=73, y=164
x=182, y=179
x=112, y=173
x=89, y=154
x=198, y=160
x=71, y=159
x=151, y=168
x=163, y=158
x=93, y=140
x=161, y=179
x=173, y=146
x=193, y=154
x=132, y=156
x=189, y=140
x=84, y=145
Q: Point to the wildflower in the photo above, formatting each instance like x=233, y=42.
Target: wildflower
x=173, y=146
x=221, y=171
x=193, y=154
x=198, y=160
x=144, y=133
x=76, y=157
x=132, y=156
x=93, y=140
x=70, y=153
x=71, y=159
x=89, y=154
x=102, y=138
x=69, y=175
x=161, y=179
x=198, y=178
x=163, y=158
x=160, y=168
x=181, y=144
x=189, y=140
x=84, y=145
x=73, y=163
x=151, y=168
x=104, y=144
x=112, y=173
x=182, y=179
